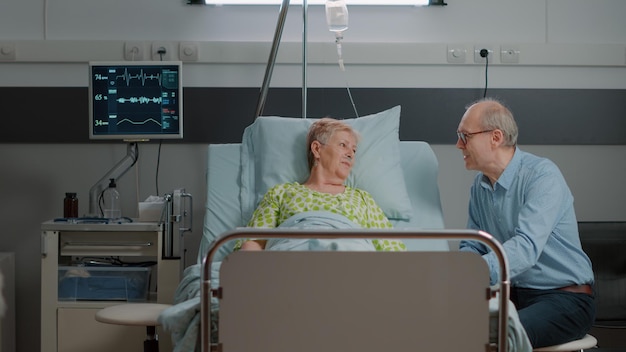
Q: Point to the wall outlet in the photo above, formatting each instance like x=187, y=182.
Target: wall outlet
x=479, y=59
x=133, y=51
x=161, y=51
x=7, y=51
x=456, y=54
x=188, y=51
x=509, y=54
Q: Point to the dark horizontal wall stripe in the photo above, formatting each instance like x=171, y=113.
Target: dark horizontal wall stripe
x=219, y=115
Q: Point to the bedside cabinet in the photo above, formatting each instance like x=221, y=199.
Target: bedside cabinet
x=71, y=294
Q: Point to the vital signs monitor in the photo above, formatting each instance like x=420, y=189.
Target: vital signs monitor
x=135, y=100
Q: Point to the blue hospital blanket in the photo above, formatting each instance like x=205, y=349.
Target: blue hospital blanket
x=319, y=220
x=182, y=319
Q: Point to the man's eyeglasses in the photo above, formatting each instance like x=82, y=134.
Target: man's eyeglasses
x=463, y=136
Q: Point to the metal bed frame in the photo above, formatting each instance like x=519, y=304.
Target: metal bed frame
x=503, y=288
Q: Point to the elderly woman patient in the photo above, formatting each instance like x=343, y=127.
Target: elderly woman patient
x=332, y=147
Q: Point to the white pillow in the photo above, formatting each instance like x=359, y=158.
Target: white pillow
x=274, y=151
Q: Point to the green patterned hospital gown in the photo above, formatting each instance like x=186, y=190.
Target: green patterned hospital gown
x=285, y=200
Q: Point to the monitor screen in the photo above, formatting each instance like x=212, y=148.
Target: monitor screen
x=135, y=100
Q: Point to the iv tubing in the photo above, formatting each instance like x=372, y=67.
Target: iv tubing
x=338, y=38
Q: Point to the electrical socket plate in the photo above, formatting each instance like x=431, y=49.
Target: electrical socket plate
x=188, y=51
x=509, y=54
x=166, y=56
x=479, y=59
x=7, y=51
x=456, y=54
x=133, y=51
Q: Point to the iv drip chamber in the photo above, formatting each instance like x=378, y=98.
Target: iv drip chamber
x=336, y=15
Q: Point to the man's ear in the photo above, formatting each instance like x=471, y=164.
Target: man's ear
x=497, y=137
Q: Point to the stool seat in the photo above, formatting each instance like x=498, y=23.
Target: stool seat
x=136, y=314
x=587, y=341
x=142, y=314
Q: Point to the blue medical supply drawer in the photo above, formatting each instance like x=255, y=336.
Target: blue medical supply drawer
x=110, y=283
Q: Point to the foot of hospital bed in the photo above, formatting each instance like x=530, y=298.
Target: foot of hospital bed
x=587, y=341
x=136, y=314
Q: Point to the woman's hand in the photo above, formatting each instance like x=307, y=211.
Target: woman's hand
x=253, y=245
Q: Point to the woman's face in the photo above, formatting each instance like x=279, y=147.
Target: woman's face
x=337, y=155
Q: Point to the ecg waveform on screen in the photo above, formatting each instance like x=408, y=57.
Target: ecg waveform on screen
x=143, y=77
x=138, y=122
x=140, y=100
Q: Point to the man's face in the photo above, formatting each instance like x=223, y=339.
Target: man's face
x=477, y=147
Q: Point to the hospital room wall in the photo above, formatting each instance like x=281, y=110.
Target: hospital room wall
x=35, y=176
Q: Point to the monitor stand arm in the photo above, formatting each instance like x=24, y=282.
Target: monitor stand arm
x=116, y=172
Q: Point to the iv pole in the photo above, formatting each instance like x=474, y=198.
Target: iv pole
x=272, y=59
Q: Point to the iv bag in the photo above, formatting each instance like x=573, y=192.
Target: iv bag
x=336, y=15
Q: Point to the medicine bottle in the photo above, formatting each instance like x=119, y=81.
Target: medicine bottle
x=70, y=205
x=111, y=208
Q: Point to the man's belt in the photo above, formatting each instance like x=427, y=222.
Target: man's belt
x=577, y=289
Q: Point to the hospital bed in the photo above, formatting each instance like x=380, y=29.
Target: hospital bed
x=428, y=298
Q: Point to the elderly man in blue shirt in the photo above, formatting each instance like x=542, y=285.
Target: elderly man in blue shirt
x=524, y=202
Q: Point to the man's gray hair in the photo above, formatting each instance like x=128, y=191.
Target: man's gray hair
x=496, y=115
